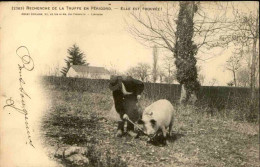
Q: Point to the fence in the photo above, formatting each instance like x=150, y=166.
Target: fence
x=219, y=98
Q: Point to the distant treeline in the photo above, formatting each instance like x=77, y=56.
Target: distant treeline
x=215, y=98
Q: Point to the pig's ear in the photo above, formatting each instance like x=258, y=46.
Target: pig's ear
x=153, y=122
x=140, y=121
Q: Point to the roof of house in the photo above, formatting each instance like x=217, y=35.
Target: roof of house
x=90, y=69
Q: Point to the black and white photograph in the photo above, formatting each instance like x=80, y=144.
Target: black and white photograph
x=129, y=84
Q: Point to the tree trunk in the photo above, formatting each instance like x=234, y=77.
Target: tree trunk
x=235, y=81
x=155, y=59
x=257, y=72
x=184, y=45
x=252, y=78
x=187, y=97
x=253, y=63
x=253, y=67
x=161, y=78
x=183, y=98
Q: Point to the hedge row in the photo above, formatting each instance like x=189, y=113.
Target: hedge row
x=219, y=98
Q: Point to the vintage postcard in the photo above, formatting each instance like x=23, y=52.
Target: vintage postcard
x=129, y=83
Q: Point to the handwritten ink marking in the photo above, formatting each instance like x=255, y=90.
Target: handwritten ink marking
x=28, y=65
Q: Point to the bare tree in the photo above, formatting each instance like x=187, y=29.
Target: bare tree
x=133, y=71
x=169, y=68
x=244, y=72
x=233, y=64
x=257, y=72
x=113, y=69
x=230, y=83
x=243, y=77
x=155, y=64
x=160, y=28
x=213, y=82
x=161, y=75
x=141, y=71
x=247, y=56
x=244, y=32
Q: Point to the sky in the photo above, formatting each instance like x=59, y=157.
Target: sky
x=104, y=39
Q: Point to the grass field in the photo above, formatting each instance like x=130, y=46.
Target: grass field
x=200, y=139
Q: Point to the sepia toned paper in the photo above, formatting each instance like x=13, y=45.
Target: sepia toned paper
x=34, y=39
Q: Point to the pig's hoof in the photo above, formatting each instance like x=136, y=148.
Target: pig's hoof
x=119, y=133
x=132, y=134
x=162, y=144
x=164, y=141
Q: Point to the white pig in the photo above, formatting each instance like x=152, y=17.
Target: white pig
x=158, y=116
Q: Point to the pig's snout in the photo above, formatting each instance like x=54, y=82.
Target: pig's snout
x=151, y=134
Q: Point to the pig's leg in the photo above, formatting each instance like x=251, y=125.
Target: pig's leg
x=170, y=128
x=164, y=135
x=164, y=131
